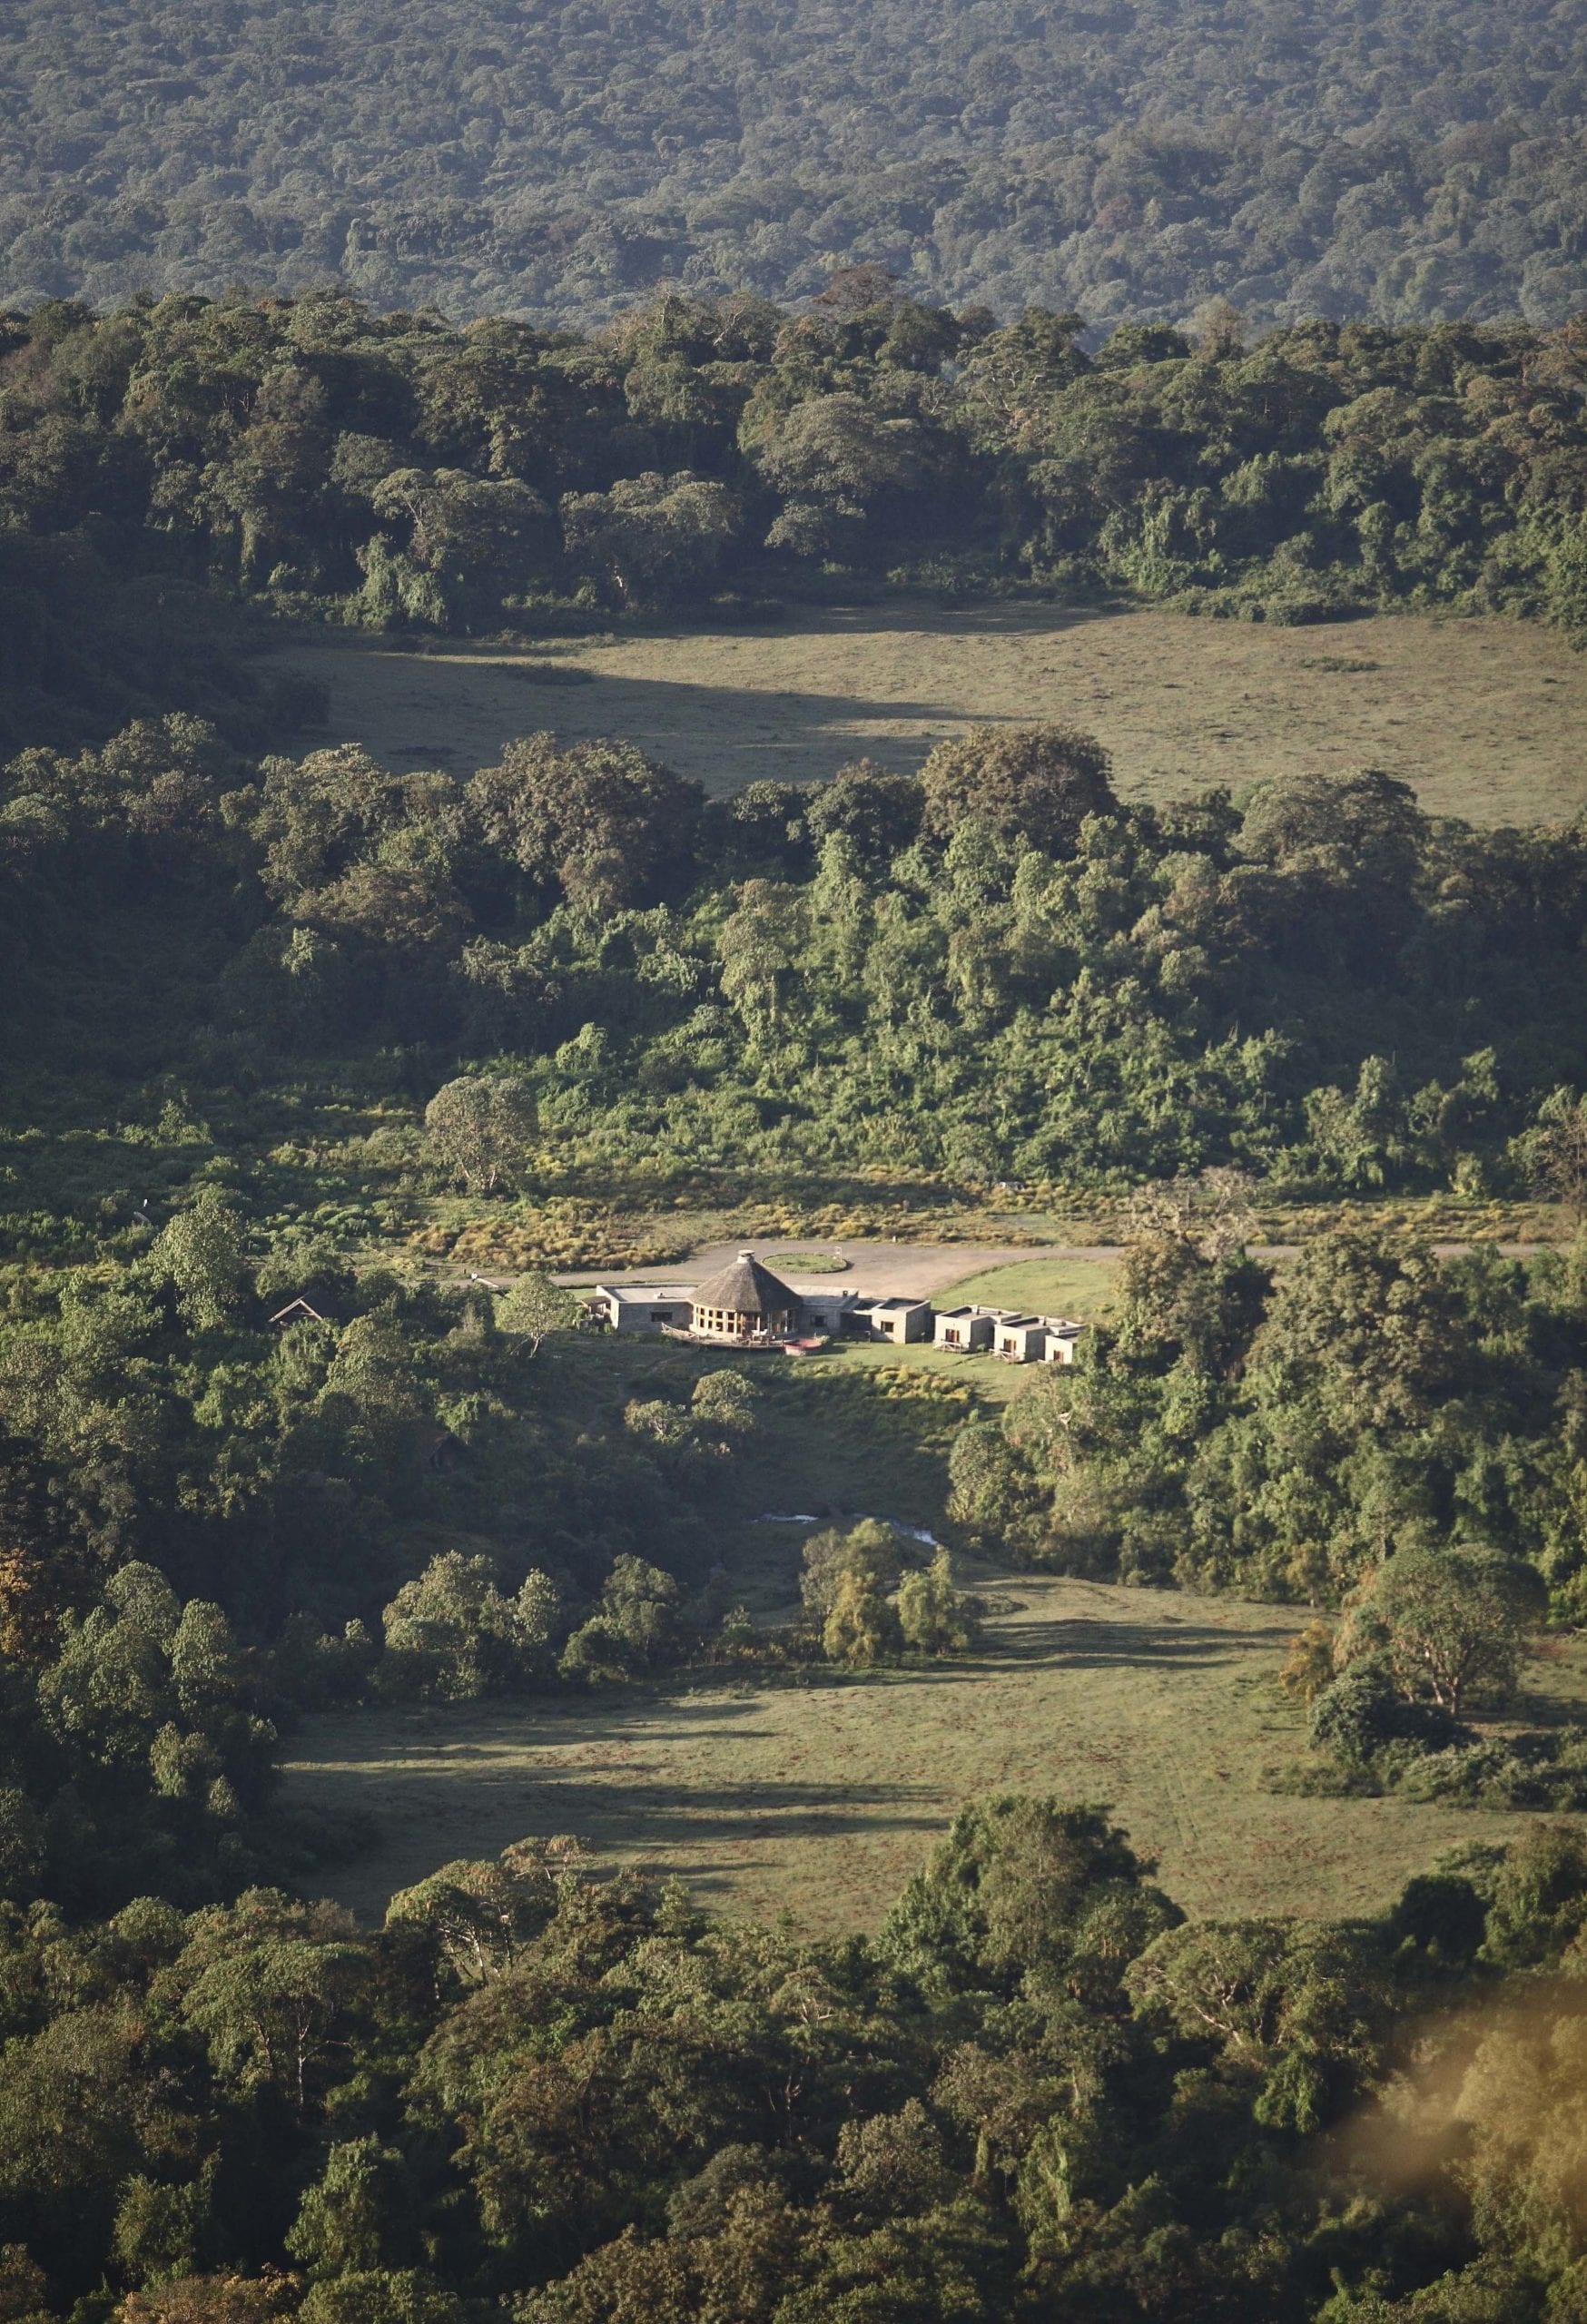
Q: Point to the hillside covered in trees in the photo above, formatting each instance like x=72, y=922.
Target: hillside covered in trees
x=273, y=1026
x=994, y=970
x=309, y=459
x=1399, y=162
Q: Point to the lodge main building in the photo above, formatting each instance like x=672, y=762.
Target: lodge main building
x=744, y=1306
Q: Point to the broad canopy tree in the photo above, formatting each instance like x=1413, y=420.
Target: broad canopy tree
x=482, y=1128
x=1450, y=1623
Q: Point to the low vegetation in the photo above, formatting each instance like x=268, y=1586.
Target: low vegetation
x=1078, y=1288
x=812, y=1791
x=1481, y=714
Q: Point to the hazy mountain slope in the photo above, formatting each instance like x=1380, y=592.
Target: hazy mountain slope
x=1398, y=160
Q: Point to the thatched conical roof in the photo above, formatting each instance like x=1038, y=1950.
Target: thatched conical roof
x=744, y=1287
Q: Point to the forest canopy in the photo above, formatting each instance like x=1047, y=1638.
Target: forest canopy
x=275, y=1024
x=1406, y=162
x=184, y=458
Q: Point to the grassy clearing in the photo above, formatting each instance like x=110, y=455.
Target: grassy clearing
x=1067, y=1285
x=1483, y=717
x=820, y=1800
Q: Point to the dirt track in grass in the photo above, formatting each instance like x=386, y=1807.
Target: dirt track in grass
x=1484, y=716
x=820, y=1800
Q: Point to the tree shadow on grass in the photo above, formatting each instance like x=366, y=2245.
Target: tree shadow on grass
x=1079, y=1644
x=742, y=1811
x=892, y=616
x=412, y=710
x=468, y=1733
x=611, y=1812
x=1084, y=1642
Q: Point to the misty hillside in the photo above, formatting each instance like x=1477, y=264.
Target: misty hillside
x=1408, y=162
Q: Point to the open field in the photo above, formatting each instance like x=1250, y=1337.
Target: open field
x=1483, y=717
x=820, y=1800
x=984, y=1377
x=1070, y=1282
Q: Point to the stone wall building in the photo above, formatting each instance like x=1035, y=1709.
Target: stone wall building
x=899, y=1320
x=965, y=1328
x=642, y=1306
x=1019, y=1339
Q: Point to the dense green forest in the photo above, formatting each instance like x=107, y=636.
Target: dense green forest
x=168, y=466
x=1036, y=2093
x=547, y=2093
x=991, y=971
x=1400, y=161
x=1282, y=1437
x=273, y=1024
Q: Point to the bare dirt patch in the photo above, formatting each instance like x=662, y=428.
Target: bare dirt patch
x=822, y=1799
x=1483, y=717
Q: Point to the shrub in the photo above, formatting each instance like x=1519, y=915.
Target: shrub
x=862, y=1627
x=868, y=1550
x=1364, y=1712
x=935, y=1617
x=451, y=1632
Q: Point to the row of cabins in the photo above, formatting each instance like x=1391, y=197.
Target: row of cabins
x=1017, y=1338
x=746, y=1306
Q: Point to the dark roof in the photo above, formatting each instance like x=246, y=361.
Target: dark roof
x=744, y=1287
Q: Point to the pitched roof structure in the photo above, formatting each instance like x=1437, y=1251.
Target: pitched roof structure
x=744, y=1287
x=297, y=1311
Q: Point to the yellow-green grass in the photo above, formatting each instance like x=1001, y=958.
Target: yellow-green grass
x=1081, y=1288
x=1483, y=717
x=979, y=1376
x=820, y=1800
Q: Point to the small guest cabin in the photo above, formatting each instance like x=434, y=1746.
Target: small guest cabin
x=296, y=1311
x=899, y=1320
x=1019, y=1339
x=965, y=1328
x=745, y=1304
